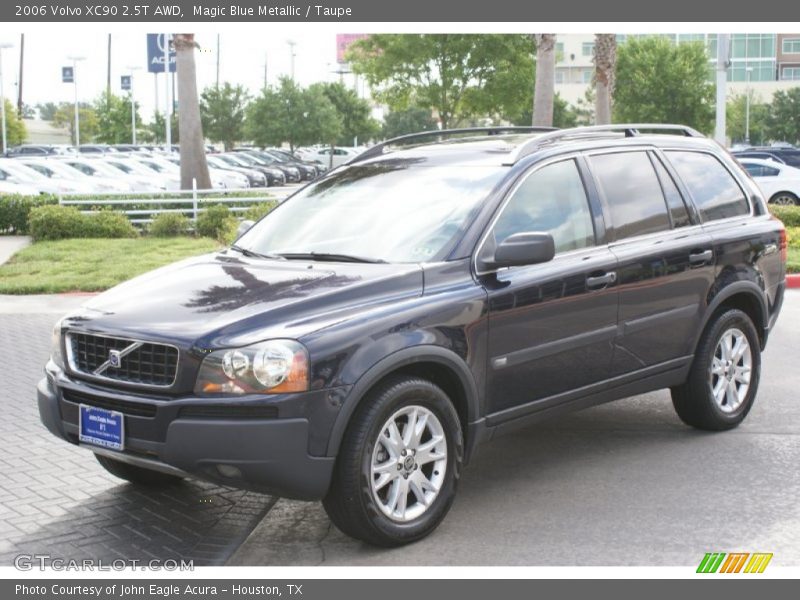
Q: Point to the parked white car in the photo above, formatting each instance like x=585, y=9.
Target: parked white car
x=6, y=187
x=780, y=183
x=164, y=166
x=59, y=171
x=330, y=157
x=96, y=167
x=135, y=169
x=14, y=171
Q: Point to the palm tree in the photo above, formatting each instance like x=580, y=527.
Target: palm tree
x=193, y=152
x=544, y=88
x=605, y=62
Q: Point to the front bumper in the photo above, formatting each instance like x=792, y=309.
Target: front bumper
x=270, y=455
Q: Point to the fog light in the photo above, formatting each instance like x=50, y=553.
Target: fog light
x=229, y=471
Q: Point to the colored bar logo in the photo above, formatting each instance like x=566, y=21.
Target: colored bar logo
x=734, y=562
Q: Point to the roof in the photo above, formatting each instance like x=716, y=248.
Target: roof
x=507, y=146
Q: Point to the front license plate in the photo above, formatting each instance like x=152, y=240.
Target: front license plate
x=101, y=427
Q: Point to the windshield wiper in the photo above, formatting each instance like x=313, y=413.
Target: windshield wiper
x=329, y=256
x=252, y=254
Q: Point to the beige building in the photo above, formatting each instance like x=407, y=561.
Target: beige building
x=761, y=62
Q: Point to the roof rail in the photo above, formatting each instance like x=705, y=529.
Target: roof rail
x=377, y=149
x=629, y=129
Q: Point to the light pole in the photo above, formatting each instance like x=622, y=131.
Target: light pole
x=75, y=60
x=133, y=105
x=3, y=97
x=748, y=71
x=292, y=44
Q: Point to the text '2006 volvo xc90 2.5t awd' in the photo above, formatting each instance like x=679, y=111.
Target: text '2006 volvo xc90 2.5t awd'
x=359, y=342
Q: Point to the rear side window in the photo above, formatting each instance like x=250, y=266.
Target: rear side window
x=713, y=188
x=632, y=192
x=675, y=203
x=760, y=170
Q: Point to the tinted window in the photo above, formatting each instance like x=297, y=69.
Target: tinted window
x=760, y=170
x=675, y=203
x=632, y=192
x=551, y=199
x=713, y=188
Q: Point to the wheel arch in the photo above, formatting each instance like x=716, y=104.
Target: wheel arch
x=742, y=295
x=439, y=365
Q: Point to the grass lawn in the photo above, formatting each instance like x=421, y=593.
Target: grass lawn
x=89, y=265
x=793, y=263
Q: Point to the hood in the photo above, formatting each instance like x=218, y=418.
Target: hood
x=224, y=299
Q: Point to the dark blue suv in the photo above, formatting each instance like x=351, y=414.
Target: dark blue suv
x=359, y=342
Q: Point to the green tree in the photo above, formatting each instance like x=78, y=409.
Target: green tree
x=658, y=81
x=16, y=133
x=155, y=130
x=783, y=124
x=736, y=118
x=355, y=113
x=457, y=75
x=222, y=112
x=410, y=120
x=291, y=114
x=113, y=119
x=564, y=115
x=64, y=117
x=47, y=110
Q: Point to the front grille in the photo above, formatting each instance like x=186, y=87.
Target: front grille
x=226, y=411
x=134, y=409
x=146, y=364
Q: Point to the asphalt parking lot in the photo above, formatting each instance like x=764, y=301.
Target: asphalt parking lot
x=621, y=484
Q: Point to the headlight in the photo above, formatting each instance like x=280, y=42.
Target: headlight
x=272, y=367
x=55, y=347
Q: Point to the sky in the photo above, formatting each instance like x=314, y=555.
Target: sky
x=242, y=58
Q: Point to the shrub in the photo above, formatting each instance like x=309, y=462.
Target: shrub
x=61, y=222
x=255, y=212
x=170, y=224
x=790, y=215
x=109, y=224
x=215, y=222
x=793, y=237
x=15, y=210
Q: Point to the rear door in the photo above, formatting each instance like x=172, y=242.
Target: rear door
x=666, y=259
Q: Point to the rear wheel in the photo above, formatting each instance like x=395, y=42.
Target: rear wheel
x=399, y=464
x=135, y=474
x=723, y=381
x=784, y=199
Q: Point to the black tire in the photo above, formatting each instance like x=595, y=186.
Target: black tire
x=136, y=475
x=694, y=401
x=350, y=503
x=784, y=199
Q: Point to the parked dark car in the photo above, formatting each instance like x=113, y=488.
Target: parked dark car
x=274, y=174
x=318, y=167
x=360, y=341
x=308, y=171
x=786, y=156
x=30, y=150
x=291, y=173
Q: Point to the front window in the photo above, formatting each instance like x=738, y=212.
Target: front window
x=393, y=211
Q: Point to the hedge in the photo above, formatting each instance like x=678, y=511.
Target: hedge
x=790, y=215
x=15, y=210
x=61, y=222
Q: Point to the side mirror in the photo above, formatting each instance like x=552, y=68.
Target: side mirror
x=526, y=248
x=243, y=227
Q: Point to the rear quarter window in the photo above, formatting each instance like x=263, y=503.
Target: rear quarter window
x=714, y=190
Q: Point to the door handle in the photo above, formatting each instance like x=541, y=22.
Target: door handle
x=697, y=258
x=601, y=280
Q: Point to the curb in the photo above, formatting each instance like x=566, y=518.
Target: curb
x=793, y=281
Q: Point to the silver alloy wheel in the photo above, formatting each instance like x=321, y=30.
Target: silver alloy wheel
x=730, y=370
x=784, y=200
x=408, y=464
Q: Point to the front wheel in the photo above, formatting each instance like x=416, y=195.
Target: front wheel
x=784, y=199
x=399, y=465
x=723, y=381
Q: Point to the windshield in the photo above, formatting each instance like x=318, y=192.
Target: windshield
x=389, y=211
x=21, y=172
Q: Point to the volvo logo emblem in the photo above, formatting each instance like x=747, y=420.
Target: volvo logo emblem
x=115, y=359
